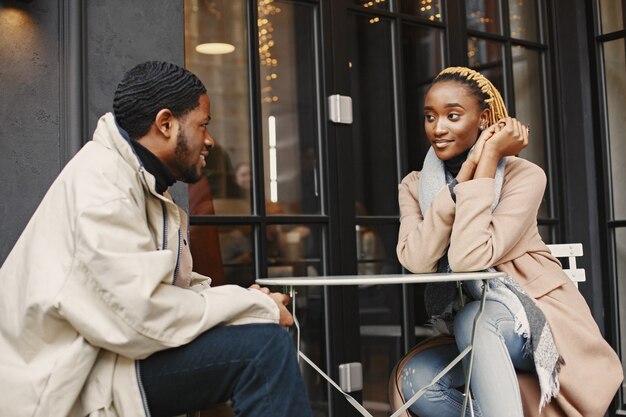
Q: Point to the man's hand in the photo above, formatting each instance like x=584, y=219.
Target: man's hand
x=281, y=300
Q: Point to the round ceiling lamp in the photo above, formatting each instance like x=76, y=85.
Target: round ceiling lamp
x=215, y=48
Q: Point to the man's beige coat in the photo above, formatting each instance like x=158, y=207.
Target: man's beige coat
x=508, y=239
x=87, y=289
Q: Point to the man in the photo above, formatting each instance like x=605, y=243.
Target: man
x=100, y=313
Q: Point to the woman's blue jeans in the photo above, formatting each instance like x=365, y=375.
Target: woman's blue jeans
x=254, y=365
x=497, y=353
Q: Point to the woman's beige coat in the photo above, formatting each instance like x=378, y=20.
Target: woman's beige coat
x=87, y=289
x=508, y=240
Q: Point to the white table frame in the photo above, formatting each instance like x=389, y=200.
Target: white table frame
x=292, y=282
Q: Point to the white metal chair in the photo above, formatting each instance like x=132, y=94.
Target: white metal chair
x=570, y=251
x=529, y=388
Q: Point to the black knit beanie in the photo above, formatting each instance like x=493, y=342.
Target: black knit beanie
x=150, y=87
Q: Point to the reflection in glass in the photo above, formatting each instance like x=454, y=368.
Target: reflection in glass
x=529, y=107
x=486, y=57
x=428, y=9
x=522, y=19
x=615, y=75
x=225, y=76
x=289, y=107
x=224, y=253
x=419, y=42
x=236, y=247
x=376, y=249
x=379, y=312
x=483, y=15
x=620, y=259
x=611, y=15
x=373, y=128
x=372, y=4
x=296, y=250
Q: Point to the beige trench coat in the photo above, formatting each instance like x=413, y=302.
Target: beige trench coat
x=87, y=289
x=508, y=239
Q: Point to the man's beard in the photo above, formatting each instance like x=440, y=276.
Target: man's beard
x=188, y=172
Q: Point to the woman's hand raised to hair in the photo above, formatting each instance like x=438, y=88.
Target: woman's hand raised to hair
x=469, y=166
x=509, y=139
x=485, y=135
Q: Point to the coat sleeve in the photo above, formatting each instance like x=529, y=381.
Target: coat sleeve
x=423, y=240
x=481, y=238
x=114, y=295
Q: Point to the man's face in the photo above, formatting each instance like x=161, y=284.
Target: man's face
x=192, y=143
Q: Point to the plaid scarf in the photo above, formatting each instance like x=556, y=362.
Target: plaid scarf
x=443, y=300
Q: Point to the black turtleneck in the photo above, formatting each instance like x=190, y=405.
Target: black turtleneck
x=453, y=165
x=163, y=176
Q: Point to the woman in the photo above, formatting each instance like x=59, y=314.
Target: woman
x=473, y=207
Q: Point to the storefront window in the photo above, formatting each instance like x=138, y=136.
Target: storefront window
x=428, y=9
x=615, y=78
x=522, y=19
x=611, y=15
x=483, y=15
x=289, y=108
x=486, y=57
x=216, y=50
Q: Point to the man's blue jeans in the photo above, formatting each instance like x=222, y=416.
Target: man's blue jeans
x=253, y=365
x=498, y=353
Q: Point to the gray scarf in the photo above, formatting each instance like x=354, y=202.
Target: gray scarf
x=442, y=300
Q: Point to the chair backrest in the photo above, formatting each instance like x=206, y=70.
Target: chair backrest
x=570, y=251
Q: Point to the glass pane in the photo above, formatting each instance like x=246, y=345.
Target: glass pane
x=522, y=19
x=611, y=14
x=620, y=260
x=289, y=107
x=615, y=77
x=225, y=253
x=483, y=15
x=373, y=128
x=296, y=250
x=529, y=107
x=486, y=57
x=376, y=249
x=216, y=51
x=428, y=9
x=379, y=313
x=423, y=59
x=371, y=4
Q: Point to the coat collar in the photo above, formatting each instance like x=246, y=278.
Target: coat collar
x=109, y=134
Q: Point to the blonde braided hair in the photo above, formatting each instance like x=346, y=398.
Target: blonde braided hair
x=490, y=95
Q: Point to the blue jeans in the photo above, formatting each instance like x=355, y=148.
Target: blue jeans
x=497, y=354
x=253, y=365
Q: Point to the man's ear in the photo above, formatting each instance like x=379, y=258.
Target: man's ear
x=164, y=122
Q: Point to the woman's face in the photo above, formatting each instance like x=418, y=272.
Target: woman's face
x=452, y=118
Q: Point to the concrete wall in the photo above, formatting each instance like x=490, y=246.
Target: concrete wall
x=60, y=61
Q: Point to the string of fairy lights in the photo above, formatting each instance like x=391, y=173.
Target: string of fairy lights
x=267, y=9
x=429, y=9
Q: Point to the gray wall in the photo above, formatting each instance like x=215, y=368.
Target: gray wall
x=60, y=61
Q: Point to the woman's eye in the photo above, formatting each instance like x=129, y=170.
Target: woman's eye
x=429, y=117
x=453, y=116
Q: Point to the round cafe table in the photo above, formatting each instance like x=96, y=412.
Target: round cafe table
x=289, y=283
